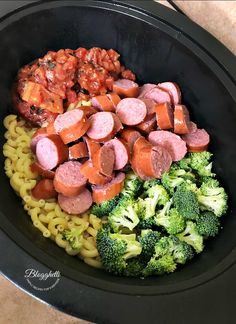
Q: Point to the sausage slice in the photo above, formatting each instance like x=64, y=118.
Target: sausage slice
x=164, y=115
x=78, y=151
x=148, y=125
x=88, y=110
x=109, y=190
x=115, y=99
x=130, y=136
x=131, y=111
x=44, y=189
x=38, y=135
x=126, y=88
x=102, y=126
x=103, y=103
x=145, y=88
x=174, y=91
x=181, y=120
x=121, y=153
x=68, y=179
x=51, y=152
x=76, y=205
x=91, y=146
x=71, y=125
x=92, y=174
x=158, y=95
x=104, y=160
x=150, y=105
x=37, y=168
x=197, y=141
x=172, y=142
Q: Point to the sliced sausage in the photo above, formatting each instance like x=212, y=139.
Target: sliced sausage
x=118, y=125
x=130, y=136
x=109, y=190
x=131, y=111
x=102, y=126
x=91, y=146
x=76, y=205
x=145, y=88
x=148, y=125
x=115, y=99
x=50, y=128
x=164, y=115
x=88, y=110
x=78, y=151
x=150, y=161
x=51, y=151
x=150, y=105
x=104, y=160
x=158, y=95
x=197, y=141
x=71, y=125
x=126, y=88
x=68, y=179
x=38, y=135
x=37, y=168
x=44, y=189
x=181, y=120
x=139, y=145
x=103, y=103
x=92, y=174
x=121, y=152
x=192, y=127
x=172, y=142
x=174, y=91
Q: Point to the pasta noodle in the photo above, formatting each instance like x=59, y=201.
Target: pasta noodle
x=46, y=216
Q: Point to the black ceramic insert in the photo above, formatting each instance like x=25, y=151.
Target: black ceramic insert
x=158, y=45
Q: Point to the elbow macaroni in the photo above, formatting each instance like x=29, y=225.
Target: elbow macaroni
x=46, y=216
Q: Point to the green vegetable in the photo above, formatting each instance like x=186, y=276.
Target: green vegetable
x=134, y=267
x=160, y=266
x=133, y=186
x=208, y=224
x=148, y=240
x=212, y=197
x=174, y=177
x=199, y=162
x=170, y=219
x=105, y=208
x=124, y=215
x=74, y=237
x=185, y=200
x=191, y=236
x=115, y=249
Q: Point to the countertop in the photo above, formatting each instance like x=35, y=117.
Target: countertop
x=219, y=18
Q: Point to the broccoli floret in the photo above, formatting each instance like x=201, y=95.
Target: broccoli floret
x=146, y=223
x=74, y=237
x=115, y=249
x=105, y=208
x=134, y=267
x=200, y=162
x=133, y=186
x=191, y=236
x=212, y=197
x=175, y=176
x=156, y=195
x=170, y=219
x=124, y=215
x=208, y=224
x=150, y=183
x=148, y=240
x=160, y=266
x=185, y=200
x=171, y=245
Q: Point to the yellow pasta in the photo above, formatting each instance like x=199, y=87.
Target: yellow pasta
x=46, y=216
